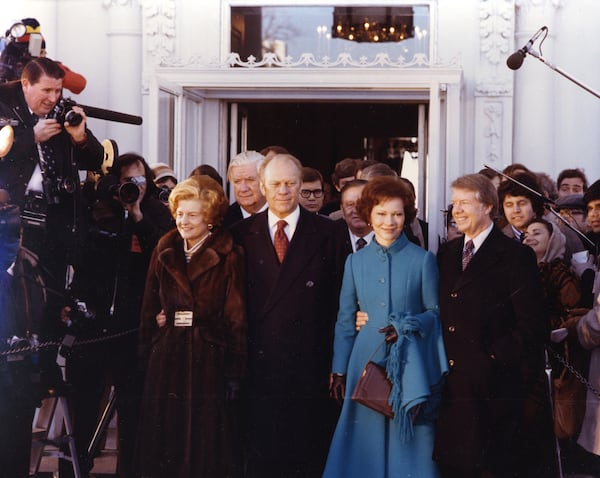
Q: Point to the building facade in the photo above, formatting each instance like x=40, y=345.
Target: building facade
x=213, y=77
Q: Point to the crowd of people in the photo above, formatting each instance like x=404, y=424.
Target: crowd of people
x=236, y=334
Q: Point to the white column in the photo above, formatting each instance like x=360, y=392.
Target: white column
x=124, y=79
x=534, y=94
x=577, y=50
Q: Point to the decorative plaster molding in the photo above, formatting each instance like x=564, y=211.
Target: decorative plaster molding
x=492, y=131
x=493, y=87
x=495, y=29
x=159, y=27
x=495, y=32
x=306, y=60
x=118, y=3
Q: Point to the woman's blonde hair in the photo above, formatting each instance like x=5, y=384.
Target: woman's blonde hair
x=206, y=190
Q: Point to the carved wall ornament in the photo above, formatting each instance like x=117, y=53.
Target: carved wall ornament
x=118, y=3
x=306, y=60
x=492, y=131
x=159, y=27
x=495, y=29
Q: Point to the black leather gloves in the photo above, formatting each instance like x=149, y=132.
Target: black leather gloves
x=337, y=389
x=390, y=334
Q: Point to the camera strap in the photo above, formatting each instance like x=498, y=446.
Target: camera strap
x=20, y=272
x=47, y=160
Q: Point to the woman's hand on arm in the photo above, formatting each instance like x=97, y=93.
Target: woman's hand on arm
x=361, y=319
x=161, y=319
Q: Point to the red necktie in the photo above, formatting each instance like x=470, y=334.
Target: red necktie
x=280, y=240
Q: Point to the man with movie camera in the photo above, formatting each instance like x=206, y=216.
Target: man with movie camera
x=24, y=42
x=41, y=176
x=41, y=171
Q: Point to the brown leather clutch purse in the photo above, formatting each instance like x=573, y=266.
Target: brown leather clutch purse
x=373, y=389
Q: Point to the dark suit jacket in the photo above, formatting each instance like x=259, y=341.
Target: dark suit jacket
x=494, y=330
x=18, y=165
x=342, y=238
x=64, y=221
x=233, y=215
x=291, y=315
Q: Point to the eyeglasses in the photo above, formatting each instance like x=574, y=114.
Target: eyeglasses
x=305, y=193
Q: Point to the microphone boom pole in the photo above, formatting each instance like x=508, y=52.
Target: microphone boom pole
x=548, y=201
x=515, y=60
x=561, y=72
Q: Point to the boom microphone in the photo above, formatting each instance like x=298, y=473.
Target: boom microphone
x=515, y=60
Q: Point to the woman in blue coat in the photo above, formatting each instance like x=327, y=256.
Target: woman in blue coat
x=396, y=283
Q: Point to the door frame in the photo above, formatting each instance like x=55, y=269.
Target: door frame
x=211, y=88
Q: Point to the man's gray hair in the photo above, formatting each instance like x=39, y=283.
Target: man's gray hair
x=484, y=189
x=245, y=157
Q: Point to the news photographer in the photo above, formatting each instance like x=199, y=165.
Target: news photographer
x=41, y=175
x=24, y=42
x=126, y=221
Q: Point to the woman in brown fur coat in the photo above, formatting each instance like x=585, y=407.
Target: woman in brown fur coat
x=193, y=342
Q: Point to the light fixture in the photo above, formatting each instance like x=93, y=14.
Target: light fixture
x=373, y=24
x=7, y=135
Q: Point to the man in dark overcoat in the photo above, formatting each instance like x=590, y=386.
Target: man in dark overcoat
x=291, y=314
x=492, y=311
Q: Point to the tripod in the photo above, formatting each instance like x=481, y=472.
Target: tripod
x=105, y=419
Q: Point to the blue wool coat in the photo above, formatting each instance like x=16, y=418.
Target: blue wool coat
x=396, y=285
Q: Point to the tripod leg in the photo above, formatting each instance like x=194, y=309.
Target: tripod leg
x=69, y=435
x=551, y=395
x=103, y=423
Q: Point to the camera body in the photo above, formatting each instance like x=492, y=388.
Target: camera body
x=34, y=211
x=56, y=188
x=163, y=194
x=80, y=312
x=129, y=192
x=63, y=111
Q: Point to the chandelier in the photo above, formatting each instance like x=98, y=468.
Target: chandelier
x=373, y=24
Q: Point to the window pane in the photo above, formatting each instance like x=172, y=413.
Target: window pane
x=166, y=127
x=329, y=31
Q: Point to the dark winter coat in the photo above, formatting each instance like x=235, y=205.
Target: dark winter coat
x=494, y=329
x=291, y=315
x=186, y=428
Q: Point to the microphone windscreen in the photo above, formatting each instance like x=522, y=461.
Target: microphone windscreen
x=515, y=60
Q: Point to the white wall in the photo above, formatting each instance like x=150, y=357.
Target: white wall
x=554, y=121
x=76, y=33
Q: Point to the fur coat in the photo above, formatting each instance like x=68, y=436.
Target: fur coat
x=187, y=427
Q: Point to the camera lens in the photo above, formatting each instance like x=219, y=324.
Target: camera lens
x=163, y=194
x=73, y=118
x=129, y=193
x=66, y=185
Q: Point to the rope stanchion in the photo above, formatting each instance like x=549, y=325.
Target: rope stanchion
x=58, y=343
x=576, y=373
